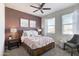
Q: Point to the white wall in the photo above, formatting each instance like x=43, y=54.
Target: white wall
x=2, y=24
x=58, y=23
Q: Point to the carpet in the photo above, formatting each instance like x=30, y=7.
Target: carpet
x=22, y=52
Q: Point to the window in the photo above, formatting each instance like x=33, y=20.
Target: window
x=32, y=23
x=67, y=23
x=24, y=23
x=51, y=25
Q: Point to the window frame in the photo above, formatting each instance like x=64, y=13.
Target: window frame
x=24, y=20
x=67, y=24
x=34, y=25
x=53, y=26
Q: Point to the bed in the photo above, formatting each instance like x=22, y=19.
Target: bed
x=36, y=44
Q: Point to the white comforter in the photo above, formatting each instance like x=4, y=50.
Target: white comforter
x=36, y=41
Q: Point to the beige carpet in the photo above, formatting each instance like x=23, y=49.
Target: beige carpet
x=22, y=52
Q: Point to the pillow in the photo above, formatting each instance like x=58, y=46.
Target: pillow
x=33, y=33
x=26, y=33
x=30, y=33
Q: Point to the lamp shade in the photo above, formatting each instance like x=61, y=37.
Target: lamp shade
x=13, y=30
x=39, y=30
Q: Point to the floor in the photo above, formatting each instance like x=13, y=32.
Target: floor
x=22, y=52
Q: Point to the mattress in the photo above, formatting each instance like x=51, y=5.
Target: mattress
x=35, y=42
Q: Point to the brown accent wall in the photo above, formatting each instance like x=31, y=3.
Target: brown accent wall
x=12, y=19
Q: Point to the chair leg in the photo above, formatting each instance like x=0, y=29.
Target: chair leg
x=64, y=46
x=78, y=50
x=72, y=52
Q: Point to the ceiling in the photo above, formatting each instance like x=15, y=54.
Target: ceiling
x=25, y=7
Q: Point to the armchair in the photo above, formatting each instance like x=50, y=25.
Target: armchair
x=73, y=43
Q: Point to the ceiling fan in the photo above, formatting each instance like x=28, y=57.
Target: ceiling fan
x=40, y=8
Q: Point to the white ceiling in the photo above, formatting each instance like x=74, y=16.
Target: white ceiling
x=25, y=7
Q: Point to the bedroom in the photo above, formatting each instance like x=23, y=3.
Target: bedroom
x=52, y=24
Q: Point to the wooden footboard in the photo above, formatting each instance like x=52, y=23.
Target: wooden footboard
x=38, y=51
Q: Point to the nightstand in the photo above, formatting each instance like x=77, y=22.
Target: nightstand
x=13, y=43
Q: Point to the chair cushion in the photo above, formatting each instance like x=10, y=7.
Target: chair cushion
x=71, y=45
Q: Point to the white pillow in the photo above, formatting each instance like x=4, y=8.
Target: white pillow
x=30, y=33
x=33, y=33
x=26, y=33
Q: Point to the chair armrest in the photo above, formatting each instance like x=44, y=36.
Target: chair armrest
x=77, y=44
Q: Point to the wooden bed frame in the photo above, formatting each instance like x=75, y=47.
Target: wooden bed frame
x=38, y=51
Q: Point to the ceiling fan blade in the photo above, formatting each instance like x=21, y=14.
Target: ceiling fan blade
x=35, y=10
x=41, y=11
x=42, y=5
x=46, y=8
x=34, y=7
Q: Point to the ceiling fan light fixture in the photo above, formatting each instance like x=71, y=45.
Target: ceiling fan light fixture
x=40, y=8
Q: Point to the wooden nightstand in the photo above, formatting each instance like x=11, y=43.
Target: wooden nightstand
x=13, y=43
